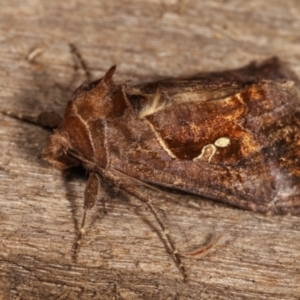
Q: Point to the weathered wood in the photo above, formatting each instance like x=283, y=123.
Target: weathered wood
x=123, y=257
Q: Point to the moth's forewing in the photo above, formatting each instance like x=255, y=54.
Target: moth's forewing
x=242, y=148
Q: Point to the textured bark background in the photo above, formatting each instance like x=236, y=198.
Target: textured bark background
x=123, y=256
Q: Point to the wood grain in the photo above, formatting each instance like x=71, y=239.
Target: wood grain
x=123, y=256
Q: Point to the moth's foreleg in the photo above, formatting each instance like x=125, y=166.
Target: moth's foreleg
x=48, y=119
x=90, y=198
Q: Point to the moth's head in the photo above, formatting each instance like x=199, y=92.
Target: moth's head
x=56, y=152
x=81, y=136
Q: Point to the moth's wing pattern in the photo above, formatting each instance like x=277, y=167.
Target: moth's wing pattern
x=236, y=141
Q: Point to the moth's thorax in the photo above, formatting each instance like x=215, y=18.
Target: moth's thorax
x=81, y=138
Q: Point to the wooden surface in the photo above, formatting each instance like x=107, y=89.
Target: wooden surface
x=123, y=256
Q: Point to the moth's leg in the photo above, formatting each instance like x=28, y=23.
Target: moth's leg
x=49, y=119
x=167, y=235
x=90, y=197
x=81, y=61
x=132, y=190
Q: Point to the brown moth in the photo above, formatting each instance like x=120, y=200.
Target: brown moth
x=232, y=137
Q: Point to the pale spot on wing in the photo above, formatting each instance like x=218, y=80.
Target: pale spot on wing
x=156, y=105
x=159, y=104
x=222, y=142
x=207, y=153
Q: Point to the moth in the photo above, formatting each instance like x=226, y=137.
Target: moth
x=231, y=136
